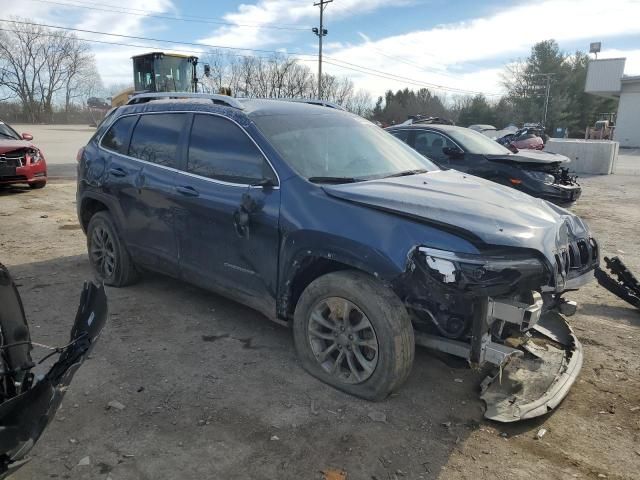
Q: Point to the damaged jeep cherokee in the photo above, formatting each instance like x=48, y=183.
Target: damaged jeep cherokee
x=328, y=224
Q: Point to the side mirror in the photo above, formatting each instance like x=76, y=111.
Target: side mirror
x=453, y=152
x=27, y=136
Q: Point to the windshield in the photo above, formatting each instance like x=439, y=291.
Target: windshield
x=339, y=146
x=474, y=142
x=7, y=132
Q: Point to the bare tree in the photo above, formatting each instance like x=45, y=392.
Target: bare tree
x=38, y=65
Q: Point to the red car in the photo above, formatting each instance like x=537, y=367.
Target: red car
x=20, y=160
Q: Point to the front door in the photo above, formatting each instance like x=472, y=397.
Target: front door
x=226, y=223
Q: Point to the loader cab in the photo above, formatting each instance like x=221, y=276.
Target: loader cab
x=164, y=72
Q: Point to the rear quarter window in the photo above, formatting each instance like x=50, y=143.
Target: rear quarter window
x=117, y=137
x=156, y=137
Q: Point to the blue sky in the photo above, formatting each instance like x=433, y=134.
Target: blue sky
x=452, y=46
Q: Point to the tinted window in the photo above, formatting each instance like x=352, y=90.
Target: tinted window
x=219, y=149
x=401, y=134
x=430, y=144
x=117, y=137
x=155, y=138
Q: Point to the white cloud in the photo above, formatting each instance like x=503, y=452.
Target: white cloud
x=430, y=55
x=284, y=13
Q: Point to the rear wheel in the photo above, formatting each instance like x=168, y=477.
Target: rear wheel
x=352, y=332
x=108, y=256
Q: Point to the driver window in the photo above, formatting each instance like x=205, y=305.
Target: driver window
x=430, y=144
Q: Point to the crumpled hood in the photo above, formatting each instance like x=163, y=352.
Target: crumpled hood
x=533, y=156
x=7, y=145
x=495, y=214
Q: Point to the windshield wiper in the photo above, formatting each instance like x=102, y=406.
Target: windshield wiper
x=333, y=180
x=406, y=173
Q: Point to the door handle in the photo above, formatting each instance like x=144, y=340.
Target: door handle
x=187, y=191
x=117, y=172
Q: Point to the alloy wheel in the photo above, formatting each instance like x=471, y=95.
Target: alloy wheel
x=343, y=340
x=103, y=251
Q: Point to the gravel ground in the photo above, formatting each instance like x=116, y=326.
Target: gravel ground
x=212, y=389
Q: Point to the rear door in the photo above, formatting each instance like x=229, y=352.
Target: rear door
x=227, y=225
x=157, y=145
x=121, y=171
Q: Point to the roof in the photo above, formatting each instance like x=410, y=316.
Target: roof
x=250, y=107
x=631, y=78
x=422, y=126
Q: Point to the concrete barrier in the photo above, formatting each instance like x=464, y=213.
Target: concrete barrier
x=587, y=156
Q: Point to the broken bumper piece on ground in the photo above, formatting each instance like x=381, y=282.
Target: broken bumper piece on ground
x=625, y=287
x=30, y=403
x=535, y=365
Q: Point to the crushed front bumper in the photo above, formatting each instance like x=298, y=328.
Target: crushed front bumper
x=534, y=364
x=536, y=382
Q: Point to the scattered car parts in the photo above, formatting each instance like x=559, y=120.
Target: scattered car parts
x=29, y=403
x=625, y=285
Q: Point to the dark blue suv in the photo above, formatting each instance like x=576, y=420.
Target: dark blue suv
x=324, y=222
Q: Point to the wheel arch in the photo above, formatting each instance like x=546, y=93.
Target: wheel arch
x=91, y=203
x=308, y=264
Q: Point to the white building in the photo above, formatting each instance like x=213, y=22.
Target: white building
x=606, y=78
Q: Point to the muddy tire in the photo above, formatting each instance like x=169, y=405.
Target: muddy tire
x=108, y=256
x=353, y=333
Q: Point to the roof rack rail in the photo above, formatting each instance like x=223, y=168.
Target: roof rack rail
x=312, y=101
x=216, y=98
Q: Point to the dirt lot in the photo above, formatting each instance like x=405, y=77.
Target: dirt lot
x=213, y=390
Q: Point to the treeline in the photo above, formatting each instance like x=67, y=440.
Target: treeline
x=279, y=77
x=525, y=82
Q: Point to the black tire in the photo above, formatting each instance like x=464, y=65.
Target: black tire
x=385, y=313
x=120, y=271
x=37, y=185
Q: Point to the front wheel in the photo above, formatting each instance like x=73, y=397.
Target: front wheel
x=352, y=332
x=37, y=185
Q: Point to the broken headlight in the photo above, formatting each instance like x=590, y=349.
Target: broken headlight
x=470, y=271
x=34, y=156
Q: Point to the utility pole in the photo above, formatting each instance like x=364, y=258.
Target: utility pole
x=320, y=32
x=546, y=101
x=547, y=94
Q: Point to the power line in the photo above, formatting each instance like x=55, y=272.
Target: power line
x=184, y=18
x=342, y=63
x=133, y=37
x=152, y=47
x=373, y=71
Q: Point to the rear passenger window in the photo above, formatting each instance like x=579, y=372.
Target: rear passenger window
x=219, y=149
x=155, y=138
x=117, y=137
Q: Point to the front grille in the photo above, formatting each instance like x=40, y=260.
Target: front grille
x=577, y=258
x=13, y=159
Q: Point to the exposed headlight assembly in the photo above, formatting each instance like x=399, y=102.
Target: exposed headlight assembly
x=546, y=178
x=469, y=271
